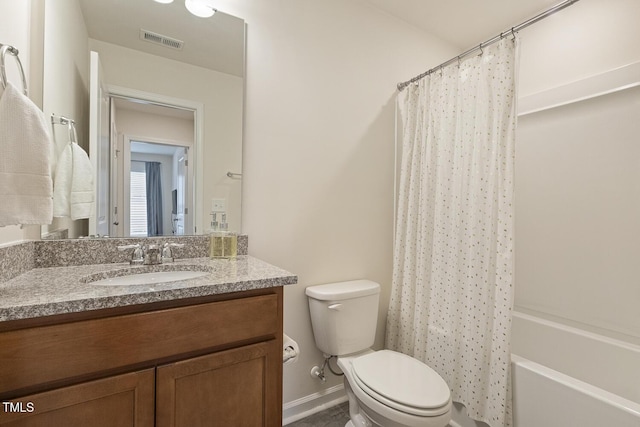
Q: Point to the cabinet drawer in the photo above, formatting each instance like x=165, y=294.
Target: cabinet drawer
x=45, y=354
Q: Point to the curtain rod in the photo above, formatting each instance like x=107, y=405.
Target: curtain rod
x=491, y=41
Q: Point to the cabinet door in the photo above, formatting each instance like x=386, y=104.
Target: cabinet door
x=118, y=401
x=239, y=387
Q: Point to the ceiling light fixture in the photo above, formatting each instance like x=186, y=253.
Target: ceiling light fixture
x=163, y=1
x=199, y=8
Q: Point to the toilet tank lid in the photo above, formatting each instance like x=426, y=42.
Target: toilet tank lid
x=343, y=290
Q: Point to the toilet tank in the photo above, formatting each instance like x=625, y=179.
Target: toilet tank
x=344, y=315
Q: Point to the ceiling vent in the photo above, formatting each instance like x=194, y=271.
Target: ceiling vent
x=150, y=36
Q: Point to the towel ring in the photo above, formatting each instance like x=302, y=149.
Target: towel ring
x=3, y=74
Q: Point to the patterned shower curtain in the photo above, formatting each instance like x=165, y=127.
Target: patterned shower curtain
x=452, y=293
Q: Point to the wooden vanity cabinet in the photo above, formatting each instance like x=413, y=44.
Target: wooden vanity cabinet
x=210, y=361
x=117, y=401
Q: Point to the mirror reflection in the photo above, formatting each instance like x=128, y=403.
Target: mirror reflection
x=153, y=170
x=159, y=111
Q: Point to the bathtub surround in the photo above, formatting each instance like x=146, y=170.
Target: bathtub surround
x=452, y=291
x=564, y=381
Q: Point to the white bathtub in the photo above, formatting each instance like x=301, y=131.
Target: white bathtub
x=567, y=377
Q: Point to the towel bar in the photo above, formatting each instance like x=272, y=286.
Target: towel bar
x=70, y=123
x=4, y=48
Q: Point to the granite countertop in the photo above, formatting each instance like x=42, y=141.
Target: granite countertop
x=59, y=290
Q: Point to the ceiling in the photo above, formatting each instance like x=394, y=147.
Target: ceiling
x=464, y=23
x=216, y=43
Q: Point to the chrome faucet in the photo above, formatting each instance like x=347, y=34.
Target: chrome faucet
x=151, y=254
x=167, y=252
x=137, y=256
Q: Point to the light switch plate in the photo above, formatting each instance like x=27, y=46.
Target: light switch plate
x=218, y=205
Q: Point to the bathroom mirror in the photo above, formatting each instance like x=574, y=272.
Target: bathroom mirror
x=172, y=94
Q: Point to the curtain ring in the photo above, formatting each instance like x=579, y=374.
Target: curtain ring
x=481, y=50
x=459, y=61
x=513, y=34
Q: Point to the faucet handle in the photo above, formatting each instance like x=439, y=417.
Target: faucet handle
x=167, y=253
x=137, y=257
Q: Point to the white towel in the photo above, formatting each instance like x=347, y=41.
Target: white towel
x=26, y=186
x=81, y=184
x=62, y=183
x=73, y=188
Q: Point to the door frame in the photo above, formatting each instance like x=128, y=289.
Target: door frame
x=196, y=165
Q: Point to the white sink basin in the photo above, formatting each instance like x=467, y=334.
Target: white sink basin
x=150, y=278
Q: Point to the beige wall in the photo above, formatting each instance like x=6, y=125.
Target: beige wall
x=319, y=148
x=66, y=83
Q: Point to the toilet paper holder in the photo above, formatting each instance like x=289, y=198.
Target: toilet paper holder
x=290, y=350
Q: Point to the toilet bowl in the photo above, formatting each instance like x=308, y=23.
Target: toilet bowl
x=391, y=389
x=385, y=388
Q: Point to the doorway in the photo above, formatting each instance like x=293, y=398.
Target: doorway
x=156, y=195
x=152, y=177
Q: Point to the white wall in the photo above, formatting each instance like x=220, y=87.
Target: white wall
x=578, y=189
x=577, y=195
x=319, y=148
x=587, y=38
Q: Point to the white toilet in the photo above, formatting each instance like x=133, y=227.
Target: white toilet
x=385, y=388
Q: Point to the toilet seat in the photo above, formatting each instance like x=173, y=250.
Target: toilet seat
x=402, y=383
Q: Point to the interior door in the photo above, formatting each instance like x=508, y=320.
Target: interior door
x=99, y=147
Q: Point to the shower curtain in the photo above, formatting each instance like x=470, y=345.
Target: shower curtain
x=452, y=293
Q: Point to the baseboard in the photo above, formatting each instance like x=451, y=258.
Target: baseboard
x=309, y=405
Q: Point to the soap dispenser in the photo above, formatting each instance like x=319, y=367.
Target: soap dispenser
x=216, y=244
x=224, y=243
x=229, y=239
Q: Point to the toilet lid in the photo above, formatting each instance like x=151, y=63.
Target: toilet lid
x=401, y=379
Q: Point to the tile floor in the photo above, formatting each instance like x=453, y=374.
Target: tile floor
x=336, y=416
